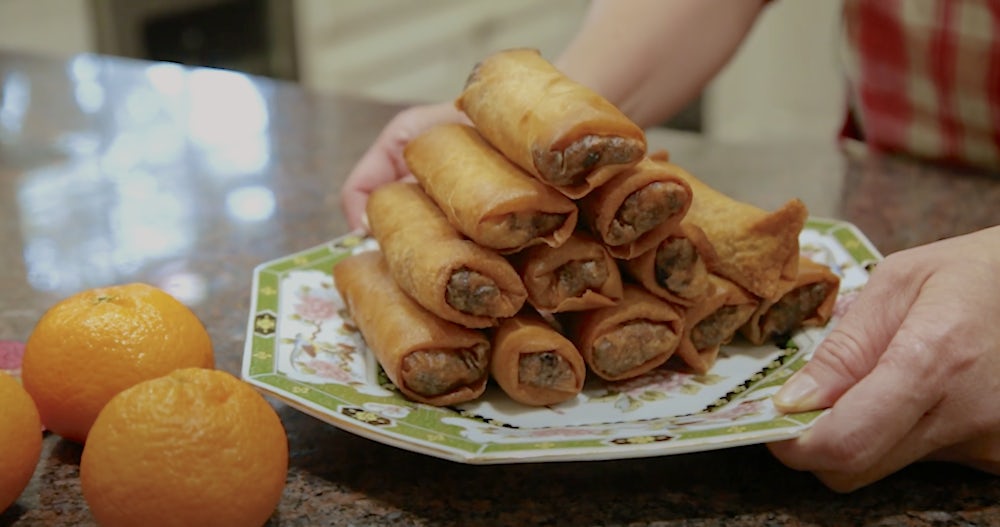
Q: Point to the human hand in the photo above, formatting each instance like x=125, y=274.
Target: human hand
x=910, y=372
x=383, y=162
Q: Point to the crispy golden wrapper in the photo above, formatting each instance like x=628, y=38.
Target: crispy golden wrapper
x=637, y=208
x=450, y=276
x=556, y=129
x=429, y=359
x=485, y=196
x=677, y=269
x=756, y=249
x=630, y=338
x=576, y=276
x=806, y=301
x=533, y=363
x=713, y=321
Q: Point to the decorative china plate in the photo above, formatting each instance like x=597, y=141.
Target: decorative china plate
x=299, y=349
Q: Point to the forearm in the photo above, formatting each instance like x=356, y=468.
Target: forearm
x=651, y=57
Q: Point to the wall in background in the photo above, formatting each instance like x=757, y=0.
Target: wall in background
x=785, y=81
x=401, y=50
x=783, y=84
x=55, y=27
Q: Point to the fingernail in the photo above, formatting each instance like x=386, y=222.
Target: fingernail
x=797, y=393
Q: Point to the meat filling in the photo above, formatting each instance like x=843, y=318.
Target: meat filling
x=436, y=372
x=644, y=209
x=577, y=276
x=632, y=345
x=675, y=266
x=471, y=292
x=719, y=327
x=521, y=227
x=797, y=305
x=546, y=369
x=571, y=166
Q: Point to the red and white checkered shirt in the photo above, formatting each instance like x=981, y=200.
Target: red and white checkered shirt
x=924, y=78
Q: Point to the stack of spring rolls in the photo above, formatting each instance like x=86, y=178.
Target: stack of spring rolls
x=543, y=242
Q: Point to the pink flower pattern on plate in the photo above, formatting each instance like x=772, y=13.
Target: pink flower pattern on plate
x=315, y=307
x=330, y=371
x=659, y=380
x=732, y=413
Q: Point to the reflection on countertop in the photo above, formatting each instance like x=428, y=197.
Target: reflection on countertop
x=119, y=202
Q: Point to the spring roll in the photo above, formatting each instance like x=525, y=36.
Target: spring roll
x=807, y=301
x=556, y=129
x=713, y=321
x=533, y=363
x=430, y=360
x=757, y=249
x=637, y=208
x=484, y=195
x=450, y=276
x=677, y=269
x=576, y=276
x=628, y=339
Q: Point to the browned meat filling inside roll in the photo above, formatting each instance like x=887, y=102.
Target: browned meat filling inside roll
x=675, y=267
x=473, y=293
x=797, y=305
x=632, y=345
x=516, y=229
x=577, y=276
x=546, y=369
x=571, y=280
x=436, y=372
x=571, y=166
x=720, y=326
x=644, y=209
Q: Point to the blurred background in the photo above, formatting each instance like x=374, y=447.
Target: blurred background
x=783, y=85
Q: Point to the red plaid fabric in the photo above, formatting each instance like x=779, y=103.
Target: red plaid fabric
x=924, y=77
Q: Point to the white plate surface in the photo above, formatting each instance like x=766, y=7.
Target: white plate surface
x=299, y=350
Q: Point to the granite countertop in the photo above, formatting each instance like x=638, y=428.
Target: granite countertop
x=114, y=170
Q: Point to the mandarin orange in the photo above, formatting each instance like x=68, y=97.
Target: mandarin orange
x=94, y=344
x=194, y=447
x=20, y=439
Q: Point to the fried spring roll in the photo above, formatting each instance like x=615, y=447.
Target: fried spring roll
x=628, y=339
x=576, y=276
x=429, y=359
x=484, y=195
x=677, y=269
x=450, y=276
x=556, y=129
x=713, y=321
x=757, y=249
x=637, y=208
x=808, y=301
x=533, y=363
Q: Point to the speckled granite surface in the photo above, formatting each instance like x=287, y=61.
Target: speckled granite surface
x=115, y=170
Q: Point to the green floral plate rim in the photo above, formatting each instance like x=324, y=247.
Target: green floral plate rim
x=299, y=350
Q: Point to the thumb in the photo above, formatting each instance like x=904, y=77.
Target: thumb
x=853, y=346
